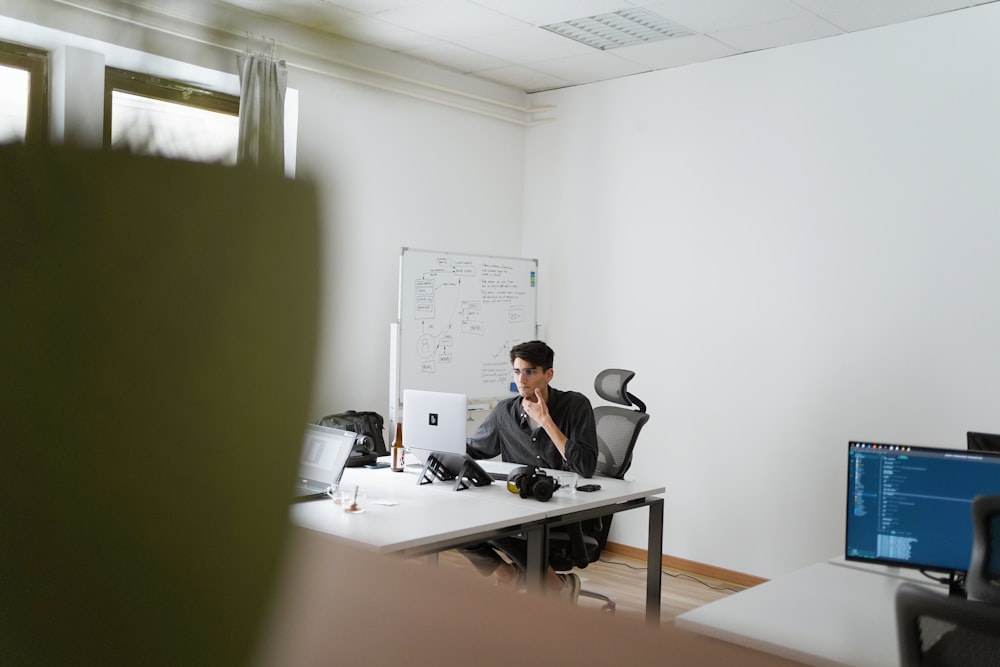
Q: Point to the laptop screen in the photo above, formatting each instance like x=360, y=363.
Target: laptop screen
x=435, y=421
x=325, y=452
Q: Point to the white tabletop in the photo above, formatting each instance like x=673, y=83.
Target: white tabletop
x=612, y=492
x=402, y=515
x=826, y=614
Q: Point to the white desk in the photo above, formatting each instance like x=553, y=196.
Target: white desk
x=403, y=517
x=832, y=613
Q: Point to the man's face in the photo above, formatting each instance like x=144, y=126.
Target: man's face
x=529, y=377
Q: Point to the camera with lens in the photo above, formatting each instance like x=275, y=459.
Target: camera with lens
x=531, y=482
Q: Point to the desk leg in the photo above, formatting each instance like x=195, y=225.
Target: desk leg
x=538, y=557
x=654, y=561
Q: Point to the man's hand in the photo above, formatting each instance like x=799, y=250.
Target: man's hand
x=536, y=408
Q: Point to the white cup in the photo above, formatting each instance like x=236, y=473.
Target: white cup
x=334, y=492
x=567, y=482
x=352, y=498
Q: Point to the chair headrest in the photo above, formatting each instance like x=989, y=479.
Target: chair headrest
x=610, y=384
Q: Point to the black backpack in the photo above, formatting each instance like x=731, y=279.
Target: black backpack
x=370, y=443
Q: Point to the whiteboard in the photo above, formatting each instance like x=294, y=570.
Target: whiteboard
x=459, y=315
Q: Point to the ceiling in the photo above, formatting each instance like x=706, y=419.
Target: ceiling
x=502, y=41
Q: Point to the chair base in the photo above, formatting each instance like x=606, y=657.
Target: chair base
x=609, y=602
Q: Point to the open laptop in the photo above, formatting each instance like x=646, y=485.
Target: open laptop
x=324, y=454
x=434, y=421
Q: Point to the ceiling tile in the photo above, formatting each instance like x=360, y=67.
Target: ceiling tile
x=675, y=52
x=527, y=44
x=455, y=57
x=777, y=33
x=371, y=30
x=596, y=66
x=372, y=6
x=707, y=17
x=524, y=78
x=542, y=12
x=451, y=20
x=851, y=15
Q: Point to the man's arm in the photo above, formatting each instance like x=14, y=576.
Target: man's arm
x=538, y=410
x=576, y=438
x=581, y=438
x=485, y=442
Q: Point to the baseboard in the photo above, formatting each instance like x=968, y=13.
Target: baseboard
x=694, y=567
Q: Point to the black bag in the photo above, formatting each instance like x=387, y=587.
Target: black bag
x=370, y=443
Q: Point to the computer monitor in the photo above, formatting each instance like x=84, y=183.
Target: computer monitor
x=912, y=506
x=983, y=442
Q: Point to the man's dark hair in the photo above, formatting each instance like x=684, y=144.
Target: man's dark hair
x=535, y=352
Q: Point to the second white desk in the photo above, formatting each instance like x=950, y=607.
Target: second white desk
x=831, y=613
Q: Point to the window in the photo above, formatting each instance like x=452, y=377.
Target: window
x=149, y=115
x=23, y=93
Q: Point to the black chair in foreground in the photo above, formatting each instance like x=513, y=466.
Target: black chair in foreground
x=948, y=630
x=983, y=578
x=937, y=630
x=617, y=432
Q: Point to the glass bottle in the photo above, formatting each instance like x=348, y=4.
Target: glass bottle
x=397, y=449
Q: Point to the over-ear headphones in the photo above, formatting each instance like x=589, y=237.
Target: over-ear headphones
x=531, y=482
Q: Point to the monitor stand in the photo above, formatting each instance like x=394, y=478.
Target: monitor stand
x=956, y=584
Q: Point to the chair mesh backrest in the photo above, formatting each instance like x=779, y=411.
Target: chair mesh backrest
x=610, y=384
x=945, y=631
x=944, y=644
x=617, y=431
x=983, y=578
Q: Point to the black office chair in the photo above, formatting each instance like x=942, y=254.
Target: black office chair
x=941, y=631
x=936, y=630
x=983, y=578
x=618, y=429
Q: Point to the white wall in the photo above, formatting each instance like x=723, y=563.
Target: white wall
x=395, y=172
x=793, y=248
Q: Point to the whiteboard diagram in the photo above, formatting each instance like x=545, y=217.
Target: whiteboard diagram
x=459, y=315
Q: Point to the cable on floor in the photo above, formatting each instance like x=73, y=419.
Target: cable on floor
x=677, y=575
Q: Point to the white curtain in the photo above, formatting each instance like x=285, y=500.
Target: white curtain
x=263, y=80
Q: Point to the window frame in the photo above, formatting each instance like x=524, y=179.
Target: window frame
x=36, y=63
x=163, y=89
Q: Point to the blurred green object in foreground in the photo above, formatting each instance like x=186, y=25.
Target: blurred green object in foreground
x=157, y=336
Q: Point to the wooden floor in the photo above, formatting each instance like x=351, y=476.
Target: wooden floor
x=624, y=579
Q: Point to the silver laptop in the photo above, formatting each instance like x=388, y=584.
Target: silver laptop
x=435, y=421
x=325, y=452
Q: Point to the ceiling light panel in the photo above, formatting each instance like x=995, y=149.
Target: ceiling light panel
x=625, y=27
